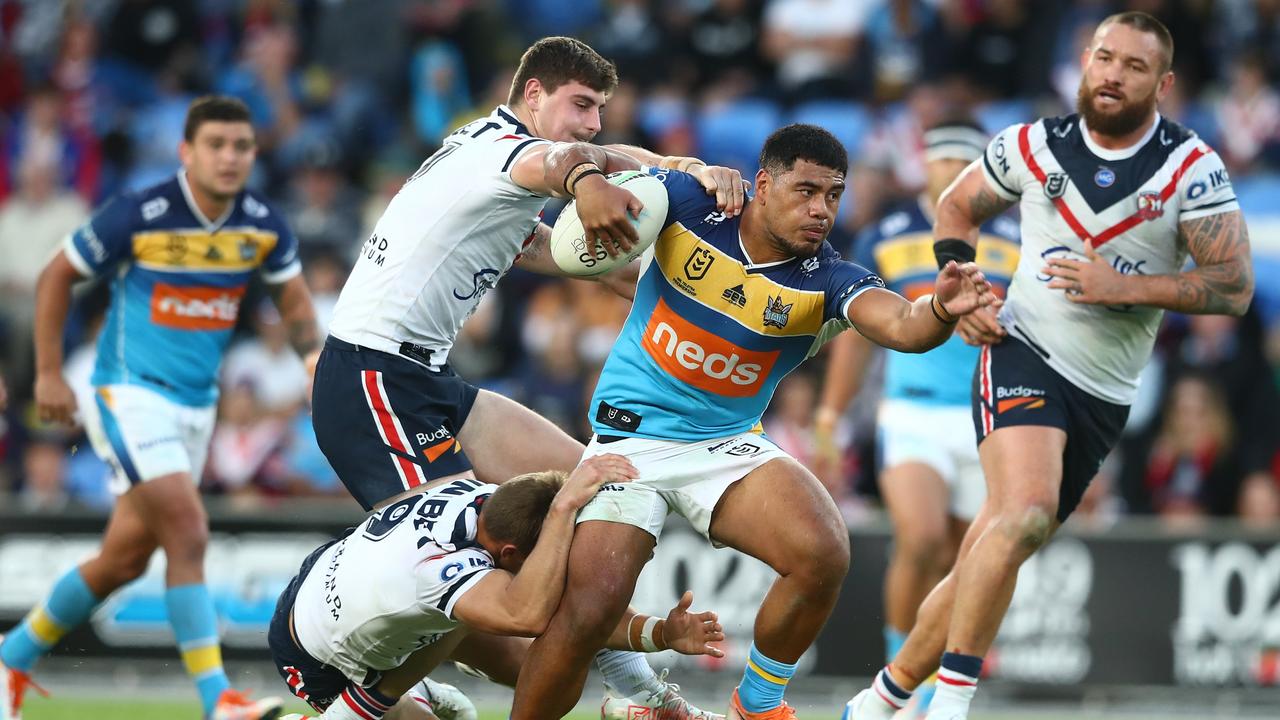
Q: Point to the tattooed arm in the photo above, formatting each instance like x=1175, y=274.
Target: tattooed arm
x=966, y=205
x=1221, y=283
x=536, y=257
x=293, y=300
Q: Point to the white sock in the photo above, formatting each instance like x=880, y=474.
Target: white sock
x=954, y=693
x=357, y=703
x=625, y=672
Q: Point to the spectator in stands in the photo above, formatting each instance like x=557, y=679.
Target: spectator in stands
x=42, y=136
x=268, y=366
x=1193, y=470
x=905, y=44
x=33, y=221
x=243, y=449
x=813, y=43
x=323, y=208
x=1259, y=502
x=723, y=41
x=789, y=423
x=1251, y=114
x=438, y=83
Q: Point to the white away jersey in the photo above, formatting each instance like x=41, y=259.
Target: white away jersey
x=1127, y=204
x=453, y=229
x=388, y=588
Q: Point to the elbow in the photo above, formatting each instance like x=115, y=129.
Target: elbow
x=1241, y=300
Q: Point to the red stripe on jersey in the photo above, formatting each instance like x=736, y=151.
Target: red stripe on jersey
x=1024, y=146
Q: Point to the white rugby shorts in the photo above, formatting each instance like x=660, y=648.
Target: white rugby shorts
x=143, y=435
x=941, y=437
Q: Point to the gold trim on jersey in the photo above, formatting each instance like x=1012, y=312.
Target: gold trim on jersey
x=913, y=253
x=227, y=250
x=722, y=283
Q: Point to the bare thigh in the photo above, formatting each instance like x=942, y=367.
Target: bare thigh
x=504, y=439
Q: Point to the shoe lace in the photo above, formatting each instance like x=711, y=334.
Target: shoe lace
x=671, y=703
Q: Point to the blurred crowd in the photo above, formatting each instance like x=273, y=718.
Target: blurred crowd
x=348, y=96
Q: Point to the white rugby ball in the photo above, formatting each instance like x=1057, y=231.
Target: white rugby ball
x=575, y=255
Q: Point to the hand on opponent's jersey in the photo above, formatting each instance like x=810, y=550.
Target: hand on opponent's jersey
x=690, y=633
x=1092, y=281
x=587, y=478
x=726, y=184
x=961, y=289
x=55, y=400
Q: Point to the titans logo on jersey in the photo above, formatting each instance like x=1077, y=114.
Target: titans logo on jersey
x=178, y=278
x=899, y=249
x=711, y=333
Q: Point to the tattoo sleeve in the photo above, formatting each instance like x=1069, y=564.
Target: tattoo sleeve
x=1222, y=281
x=985, y=204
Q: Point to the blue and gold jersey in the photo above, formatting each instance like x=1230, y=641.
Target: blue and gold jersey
x=900, y=249
x=711, y=333
x=177, y=281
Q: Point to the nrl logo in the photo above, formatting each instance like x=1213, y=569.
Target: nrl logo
x=695, y=268
x=1055, y=185
x=775, y=313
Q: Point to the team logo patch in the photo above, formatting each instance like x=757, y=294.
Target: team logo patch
x=248, y=249
x=1105, y=177
x=699, y=262
x=1055, y=185
x=735, y=296
x=809, y=265
x=1150, y=206
x=776, y=314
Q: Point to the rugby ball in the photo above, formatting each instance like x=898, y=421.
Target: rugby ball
x=576, y=256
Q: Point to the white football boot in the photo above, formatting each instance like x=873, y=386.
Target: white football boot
x=657, y=700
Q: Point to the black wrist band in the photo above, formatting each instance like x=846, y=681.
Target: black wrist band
x=584, y=173
x=934, y=299
x=569, y=175
x=953, y=249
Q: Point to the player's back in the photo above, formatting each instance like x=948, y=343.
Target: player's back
x=387, y=588
x=711, y=333
x=177, y=279
x=899, y=248
x=445, y=239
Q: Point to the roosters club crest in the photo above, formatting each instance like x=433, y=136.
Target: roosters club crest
x=1150, y=206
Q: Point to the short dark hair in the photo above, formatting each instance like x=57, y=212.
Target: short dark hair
x=802, y=142
x=1142, y=22
x=557, y=61
x=214, y=108
x=515, y=511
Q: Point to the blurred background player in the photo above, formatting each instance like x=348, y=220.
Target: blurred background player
x=931, y=480
x=727, y=307
x=181, y=253
x=426, y=571
x=1113, y=200
x=390, y=414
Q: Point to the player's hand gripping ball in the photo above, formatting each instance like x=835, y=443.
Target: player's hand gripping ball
x=579, y=255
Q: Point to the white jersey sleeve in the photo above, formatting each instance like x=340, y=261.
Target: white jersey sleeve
x=1206, y=188
x=1003, y=166
x=444, y=579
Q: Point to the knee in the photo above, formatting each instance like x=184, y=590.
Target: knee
x=824, y=560
x=1028, y=526
x=591, y=614
x=186, y=538
x=926, y=548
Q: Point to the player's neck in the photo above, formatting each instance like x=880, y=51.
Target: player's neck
x=208, y=205
x=526, y=118
x=756, y=241
x=1121, y=142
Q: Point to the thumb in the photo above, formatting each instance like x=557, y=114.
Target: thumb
x=634, y=206
x=1089, y=251
x=686, y=600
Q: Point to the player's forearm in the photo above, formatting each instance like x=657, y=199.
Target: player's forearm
x=535, y=591
x=566, y=163
x=921, y=329
x=293, y=300
x=639, y=154
x=53, y=300
x=1221, y=289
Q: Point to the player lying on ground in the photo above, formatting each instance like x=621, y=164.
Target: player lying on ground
x=1104, y=255
x=390, y=414
x=727, y=307
x=436, y=576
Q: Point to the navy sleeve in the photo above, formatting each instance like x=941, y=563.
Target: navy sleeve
x=282, y=262
x=687, y=202
x=846, y=281
x=106, y=239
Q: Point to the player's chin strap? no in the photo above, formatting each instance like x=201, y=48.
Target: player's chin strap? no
x=948, y=249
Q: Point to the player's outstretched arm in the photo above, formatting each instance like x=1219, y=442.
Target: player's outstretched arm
x=293, y=300
x=962, y=209
x=890, y=320
x=522, y=604
x=1221, y=283
x=55, y=401
x=685, y=632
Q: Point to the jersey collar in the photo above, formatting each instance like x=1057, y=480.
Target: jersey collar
x=1122, y=153
x=505, y=113
x=208, y=224
x=751, y=264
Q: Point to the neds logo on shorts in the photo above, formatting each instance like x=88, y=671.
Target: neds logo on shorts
x=703, y=360
x=195, y=308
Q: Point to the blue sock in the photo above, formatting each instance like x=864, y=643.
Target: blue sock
x=893, y=641
x=69, y=604
x=969, y=666
x=763, y=682
x=195, y=626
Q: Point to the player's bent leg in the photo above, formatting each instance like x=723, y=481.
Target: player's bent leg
x=780, y=514
x=495, y=657
x=505, y=439
x=604, y=562
x=916, y=498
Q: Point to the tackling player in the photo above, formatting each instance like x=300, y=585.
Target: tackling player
x=726, y=308
x=931, y=480
x=390, y=415
x=464, y=556
x=180, y=255
x=1113, y=199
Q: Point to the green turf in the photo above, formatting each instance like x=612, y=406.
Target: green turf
x=81, y=709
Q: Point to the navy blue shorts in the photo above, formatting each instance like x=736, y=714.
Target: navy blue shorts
x=1013, y=385
x=307, y=678
x=387, y=423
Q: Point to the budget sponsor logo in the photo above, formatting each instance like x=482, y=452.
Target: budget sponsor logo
x=704, y=360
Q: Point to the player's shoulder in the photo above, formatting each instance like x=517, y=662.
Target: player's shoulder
x=257, y=210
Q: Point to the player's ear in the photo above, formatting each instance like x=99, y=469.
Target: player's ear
x=533, y=93
x=185, y=151
x=763, y=180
